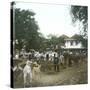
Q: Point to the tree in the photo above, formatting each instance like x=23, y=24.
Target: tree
x=52, y=41
x=62, y=39
x=26, y=30
x=80, y=13
x=80, y=38
x=56, y=42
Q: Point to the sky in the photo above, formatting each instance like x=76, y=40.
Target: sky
x=52, y=19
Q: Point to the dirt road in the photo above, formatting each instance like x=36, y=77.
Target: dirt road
x=76, y=74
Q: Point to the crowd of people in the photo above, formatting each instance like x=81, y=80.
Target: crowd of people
x=65, y=58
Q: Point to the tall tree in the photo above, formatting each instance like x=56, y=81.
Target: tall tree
x=80, y=13
x=26, y=29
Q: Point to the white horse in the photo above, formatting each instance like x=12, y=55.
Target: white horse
x=27, y=72
x=36, y=71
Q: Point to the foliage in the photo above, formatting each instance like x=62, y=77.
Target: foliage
x=27, y=33
x=80, y=37
x=26, y=29
x=80, y=13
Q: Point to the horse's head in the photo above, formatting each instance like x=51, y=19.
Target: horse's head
x=28, y=62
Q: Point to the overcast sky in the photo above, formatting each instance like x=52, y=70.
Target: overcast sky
x=52, y=19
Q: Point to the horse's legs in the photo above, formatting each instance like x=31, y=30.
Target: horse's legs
x=39, y=75
x=25, y=75
x=30, y=78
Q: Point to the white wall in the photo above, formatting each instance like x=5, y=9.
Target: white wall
x=68, y=44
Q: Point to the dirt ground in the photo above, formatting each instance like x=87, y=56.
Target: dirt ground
x=76, y=74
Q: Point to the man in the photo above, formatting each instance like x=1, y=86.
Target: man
x=47, y=56
x=56, y=62
x=30, y=56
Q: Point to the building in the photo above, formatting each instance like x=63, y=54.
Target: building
x=73, y=44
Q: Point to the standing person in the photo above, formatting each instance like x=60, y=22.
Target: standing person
x=47, y=56
x=56, y=62
x=30, y=56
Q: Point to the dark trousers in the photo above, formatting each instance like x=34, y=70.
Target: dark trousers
x=56, y=67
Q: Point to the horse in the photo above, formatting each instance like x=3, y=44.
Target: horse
x=27, y=72
x=36, y=70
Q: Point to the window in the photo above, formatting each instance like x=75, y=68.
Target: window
x=77, y=42
x=71, y=43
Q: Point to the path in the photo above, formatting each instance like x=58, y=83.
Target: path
x=69, y=76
